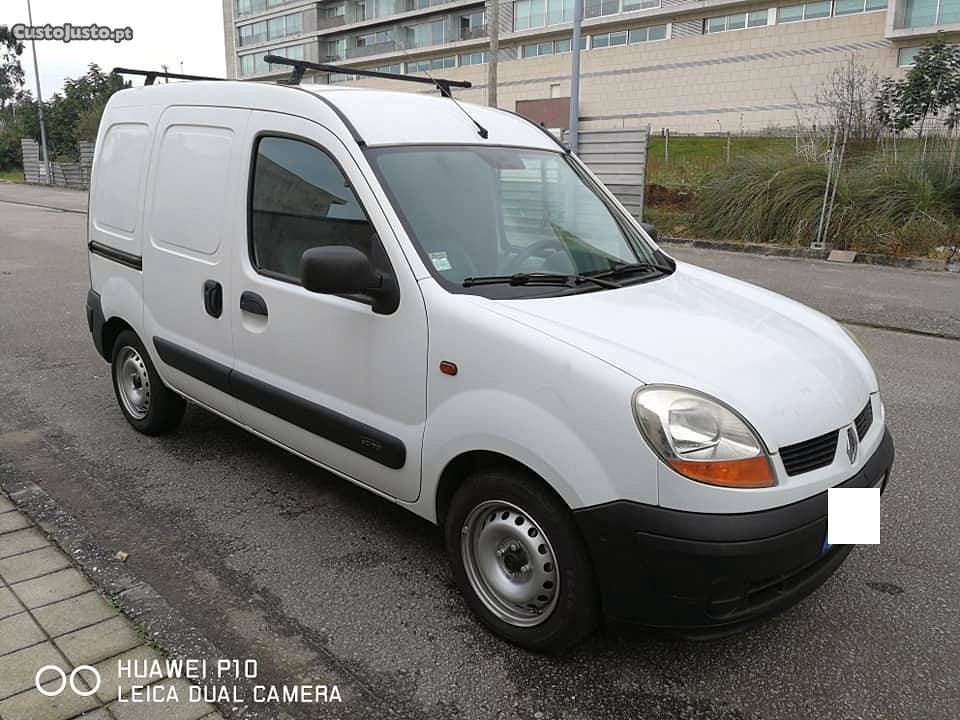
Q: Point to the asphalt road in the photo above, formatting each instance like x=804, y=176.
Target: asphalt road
x=273, y=559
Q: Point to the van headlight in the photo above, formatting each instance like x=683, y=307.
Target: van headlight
x=701, y=438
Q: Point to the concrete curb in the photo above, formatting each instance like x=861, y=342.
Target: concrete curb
x=911, y=263
x=137, y=599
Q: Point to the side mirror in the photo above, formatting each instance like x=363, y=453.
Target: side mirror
x=650, y=230
x=344, y=270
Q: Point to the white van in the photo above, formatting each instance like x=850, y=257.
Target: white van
x=475, y=329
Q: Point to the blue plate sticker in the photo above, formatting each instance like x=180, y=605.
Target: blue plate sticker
x=825, y=546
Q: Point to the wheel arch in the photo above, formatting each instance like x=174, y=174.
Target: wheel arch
x=109, y=334
x=459, y=467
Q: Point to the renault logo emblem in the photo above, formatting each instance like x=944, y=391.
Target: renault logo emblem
x=853, y=444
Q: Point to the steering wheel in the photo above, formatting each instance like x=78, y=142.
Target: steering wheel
x=532, y=250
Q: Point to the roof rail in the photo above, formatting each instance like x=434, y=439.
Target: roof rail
x=299, y=66
x=151, y=75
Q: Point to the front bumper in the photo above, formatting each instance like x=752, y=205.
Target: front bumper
x=710, y=574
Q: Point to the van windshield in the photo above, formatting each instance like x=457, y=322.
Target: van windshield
x=499, y=211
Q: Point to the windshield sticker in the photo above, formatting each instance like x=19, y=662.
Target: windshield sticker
x=440, y=262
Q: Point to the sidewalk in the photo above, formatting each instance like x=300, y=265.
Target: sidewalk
x=50, y=614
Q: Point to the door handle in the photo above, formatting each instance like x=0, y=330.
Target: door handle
x=213, y=298
x=252, y=303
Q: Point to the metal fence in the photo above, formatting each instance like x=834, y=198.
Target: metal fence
x=619, y=158
x=62, y=174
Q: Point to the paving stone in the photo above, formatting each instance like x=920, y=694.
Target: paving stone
x=98, y=642
x=182, y=710
x=69, y=615
x=113, y=681
x=98, y=714
x=51, y=588
x=31, y=705
x=19, y=631
x=9, y=605
x=10, y=521
x=6, y=504
x=18, y=670
x=21, y=541
x=29, y=565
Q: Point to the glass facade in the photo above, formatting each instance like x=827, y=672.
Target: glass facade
x=737, y=21
x=529, y=14
x=271, y=29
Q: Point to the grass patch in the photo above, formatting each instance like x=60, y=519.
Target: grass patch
x=14, y=175
x=691, y=159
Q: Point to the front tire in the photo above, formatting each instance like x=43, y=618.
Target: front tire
x=148, y=405
x=520, y=562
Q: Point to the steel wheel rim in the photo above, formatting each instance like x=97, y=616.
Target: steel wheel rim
x=510, y=563
x=133, y=382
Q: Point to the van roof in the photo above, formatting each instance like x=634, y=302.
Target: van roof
x=378, y=117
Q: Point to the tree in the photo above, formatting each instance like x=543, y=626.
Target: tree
x=931, y=88
x=847, y=98
x=11, y=72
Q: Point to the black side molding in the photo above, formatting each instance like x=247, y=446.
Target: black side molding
x=118, y=256
x=328, y=424
x=194, y=364
x=317, y=419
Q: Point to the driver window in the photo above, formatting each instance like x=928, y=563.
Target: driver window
x=300, y=199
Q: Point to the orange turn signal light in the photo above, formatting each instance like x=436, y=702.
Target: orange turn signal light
x=752, y=472
x=448, y=368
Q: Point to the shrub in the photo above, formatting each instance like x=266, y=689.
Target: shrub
x=768, y=200
x=9, y=149
x=881, y=205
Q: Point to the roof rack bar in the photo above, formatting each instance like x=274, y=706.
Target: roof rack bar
x=300, y=65
x=151, y=75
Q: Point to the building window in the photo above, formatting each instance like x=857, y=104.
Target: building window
x=648, y=34
x=544, y=48
x=375, y=38
x=254, y=63
x=810, y=11
x=472, y=26
x=632, y=5
x=737, y=21
x=919, y=13
x=395, y=69
x=334, y=78
x=245, y=7
x=474, y=58
x=539, y=13
x=425, y=34
x=907, y=56
x=599, y=8
x=608, y=39
x=434, y=64
x=271, y=29
x=850, y=7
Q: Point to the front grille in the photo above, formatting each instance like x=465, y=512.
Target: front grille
x=864, y=420
x=810, y=454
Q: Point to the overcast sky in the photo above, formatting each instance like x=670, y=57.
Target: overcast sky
x=164, y=32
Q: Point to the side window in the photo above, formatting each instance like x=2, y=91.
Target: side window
x=300, y=199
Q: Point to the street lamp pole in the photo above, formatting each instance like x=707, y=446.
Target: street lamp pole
x=575, y=73
x=43, y=126
x=493, y=30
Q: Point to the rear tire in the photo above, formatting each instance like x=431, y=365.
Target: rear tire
x=520, y=562
x=148, y=405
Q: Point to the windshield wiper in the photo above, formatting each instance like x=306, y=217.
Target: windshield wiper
x=627, y=268
x=539, y=278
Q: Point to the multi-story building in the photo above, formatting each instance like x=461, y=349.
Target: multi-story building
x=688, y=65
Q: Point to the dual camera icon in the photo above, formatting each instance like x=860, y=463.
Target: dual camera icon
x=81, y=689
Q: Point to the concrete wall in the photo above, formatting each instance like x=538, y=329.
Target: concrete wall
x=746, y=80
